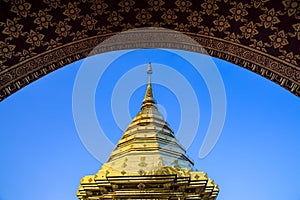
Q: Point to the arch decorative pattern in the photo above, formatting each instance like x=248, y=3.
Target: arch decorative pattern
x=38, y=37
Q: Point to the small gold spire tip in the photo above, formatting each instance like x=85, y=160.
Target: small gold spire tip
x=149, y=100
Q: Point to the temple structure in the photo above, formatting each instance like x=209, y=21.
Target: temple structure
x=148, y=163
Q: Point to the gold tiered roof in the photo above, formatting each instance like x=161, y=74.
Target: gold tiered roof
x=148, y=163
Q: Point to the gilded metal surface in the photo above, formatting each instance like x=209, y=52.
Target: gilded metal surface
x=41, y=36
x=148, y=163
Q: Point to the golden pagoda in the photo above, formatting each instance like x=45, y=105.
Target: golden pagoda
x=148, y=163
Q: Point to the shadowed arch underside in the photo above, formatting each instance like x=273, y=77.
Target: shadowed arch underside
x=39, y=37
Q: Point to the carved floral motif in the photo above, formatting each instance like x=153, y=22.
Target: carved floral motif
x=249, y=30
x=62, y=29
x=12, y=28
x=6, y=49
x=183, y=5
x=43, y=19
x=143, y=16
x=21, y=8
x=126, y=5
x=269, y=18
x=195, y=18
x=209, y=6
x=279, y=39
x=35, y=38
x=169, y=16
x=72, y=12
x=99, y=6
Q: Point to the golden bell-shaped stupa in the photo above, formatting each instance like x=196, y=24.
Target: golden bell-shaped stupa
x=148, y=163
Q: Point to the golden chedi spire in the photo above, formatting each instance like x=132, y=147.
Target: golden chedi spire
x=148, y=163
x=148, y=136
x=149, y=99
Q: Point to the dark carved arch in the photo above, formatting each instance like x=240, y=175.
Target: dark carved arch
x=41, y=36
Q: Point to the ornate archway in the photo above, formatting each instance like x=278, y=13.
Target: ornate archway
x=37, y=38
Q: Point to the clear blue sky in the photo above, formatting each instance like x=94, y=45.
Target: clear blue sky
x=256, y=157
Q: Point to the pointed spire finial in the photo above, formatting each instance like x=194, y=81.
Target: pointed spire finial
x=149, y=72
x=149, y=100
